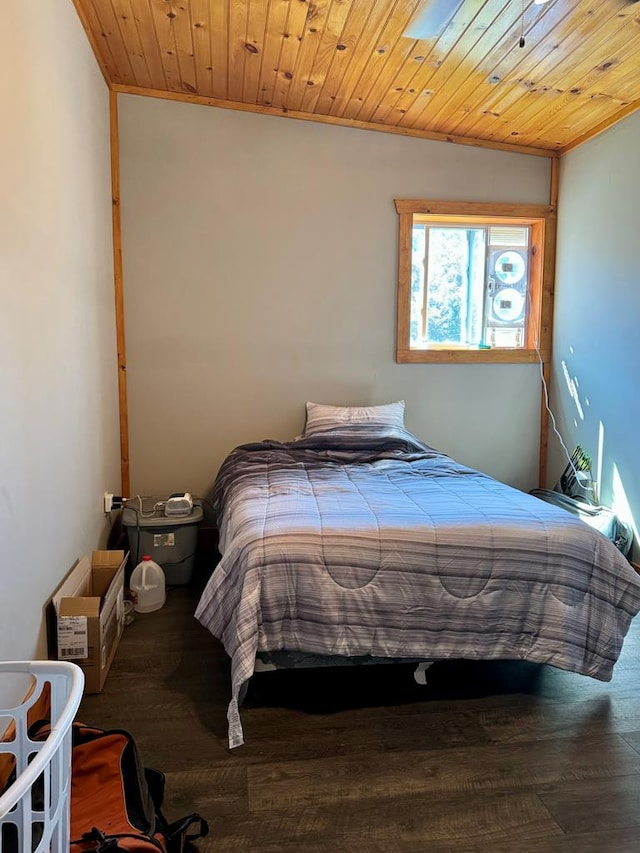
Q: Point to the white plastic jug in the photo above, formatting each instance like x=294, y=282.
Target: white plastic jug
x=148, y=586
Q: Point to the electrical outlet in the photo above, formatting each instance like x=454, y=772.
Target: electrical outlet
x=108, y=502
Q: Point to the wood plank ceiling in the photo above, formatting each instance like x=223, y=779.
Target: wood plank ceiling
x=348, y=62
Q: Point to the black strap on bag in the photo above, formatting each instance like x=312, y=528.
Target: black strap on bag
x=178, y=838
x=109, y=843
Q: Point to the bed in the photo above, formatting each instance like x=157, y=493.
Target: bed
x=359, y=541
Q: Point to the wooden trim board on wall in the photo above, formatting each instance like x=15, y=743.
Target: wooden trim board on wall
x=119, y=295
x=547, y=326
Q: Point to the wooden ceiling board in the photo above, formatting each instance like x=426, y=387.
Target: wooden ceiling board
x=161, y=15
x=182, y=30
x=377, y=19
x=519, y=79
x=474, y=97
x=345, y=53
x=149, y=43
x=598, y=128
x=101, y=15
x=336, y=16
x=577, y=107
x=202, y=46
x=403, y=56
x=452, y=69
x=348, y=62
x=514, y=66
x=372, y=66
x=623, y=82
x=407, y=86
x=303, y=77
x=296, y=20
x=581, y=91
x=566, y=116
x=237, y=48
x=442, y=103
x=256, y=27
x=126, y=22
x=614, y=44
x=578, y=38
x=407, y=82
x=218, y=26
x=276, y=27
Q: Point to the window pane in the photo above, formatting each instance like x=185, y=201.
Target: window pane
x=417, y=285
x=469, y=285
x=455, y=287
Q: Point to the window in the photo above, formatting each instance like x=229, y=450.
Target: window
x=474, y=281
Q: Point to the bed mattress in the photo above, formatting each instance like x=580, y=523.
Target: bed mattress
x=361, y=541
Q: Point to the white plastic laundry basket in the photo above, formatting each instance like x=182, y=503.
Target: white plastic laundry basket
x=34, y=810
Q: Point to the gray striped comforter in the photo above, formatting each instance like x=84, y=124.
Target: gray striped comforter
x=363, y=541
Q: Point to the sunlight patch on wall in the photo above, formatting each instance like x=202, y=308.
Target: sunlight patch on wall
x=572, y=385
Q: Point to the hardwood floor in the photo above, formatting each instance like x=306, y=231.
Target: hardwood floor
x=487, y=758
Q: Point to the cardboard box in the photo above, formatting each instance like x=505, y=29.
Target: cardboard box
x=88, y=615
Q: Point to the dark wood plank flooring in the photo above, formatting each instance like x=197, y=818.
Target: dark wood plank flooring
x=487, y=758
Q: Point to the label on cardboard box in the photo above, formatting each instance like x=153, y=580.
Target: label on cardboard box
x=73, y=637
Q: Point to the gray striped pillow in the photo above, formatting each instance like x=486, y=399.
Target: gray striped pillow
x=321, y=417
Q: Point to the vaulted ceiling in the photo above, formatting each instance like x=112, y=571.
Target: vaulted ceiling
x=349, y=62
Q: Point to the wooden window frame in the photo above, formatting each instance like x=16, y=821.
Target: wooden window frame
x=542, y=221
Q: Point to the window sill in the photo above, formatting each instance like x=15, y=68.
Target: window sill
x=468, y=356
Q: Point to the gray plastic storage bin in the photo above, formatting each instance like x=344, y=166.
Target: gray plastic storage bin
x=170, y=541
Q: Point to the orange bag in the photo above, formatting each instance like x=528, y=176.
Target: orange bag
x=116, y=801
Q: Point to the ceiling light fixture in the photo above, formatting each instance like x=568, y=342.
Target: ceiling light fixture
x=432, y=19
x=522, y=41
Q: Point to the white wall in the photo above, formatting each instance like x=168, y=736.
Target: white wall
x=59, y=440
x=260, y=263
x=597, y=312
